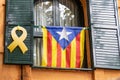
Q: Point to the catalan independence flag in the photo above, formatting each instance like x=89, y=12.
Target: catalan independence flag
x=63, y=47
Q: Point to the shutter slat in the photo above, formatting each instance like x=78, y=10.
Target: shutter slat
x=107, y=54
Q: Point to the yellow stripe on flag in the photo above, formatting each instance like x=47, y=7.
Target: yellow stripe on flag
x=63, y=59
x=82, y=40
x=54, y=52
x=73, y=54
x=44, y=54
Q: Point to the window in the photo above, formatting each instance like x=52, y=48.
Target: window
x=100, y=15
x=55, y=13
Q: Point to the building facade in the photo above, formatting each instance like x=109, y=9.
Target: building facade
x=91, y=14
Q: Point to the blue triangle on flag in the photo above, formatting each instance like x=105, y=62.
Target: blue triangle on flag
x=71, y=32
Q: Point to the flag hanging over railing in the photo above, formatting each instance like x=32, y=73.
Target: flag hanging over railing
x=63, y=47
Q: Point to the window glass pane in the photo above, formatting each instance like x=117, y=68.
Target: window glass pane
x=37, y=51
x=43, y=13
x=68, y=13
x=66, y=16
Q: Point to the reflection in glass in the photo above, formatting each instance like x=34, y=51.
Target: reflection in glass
x=66, y=16
x=43, y=13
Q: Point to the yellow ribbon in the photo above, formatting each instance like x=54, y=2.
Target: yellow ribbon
x=18, y=41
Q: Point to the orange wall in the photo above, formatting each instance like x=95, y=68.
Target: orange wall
x=2, y=2
x=119, y=7
x=104, y=74
x=38, y=74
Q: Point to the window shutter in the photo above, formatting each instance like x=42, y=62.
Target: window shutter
x=19, y=12
x=105, y=33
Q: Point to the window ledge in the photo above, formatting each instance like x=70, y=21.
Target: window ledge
x=79, y=69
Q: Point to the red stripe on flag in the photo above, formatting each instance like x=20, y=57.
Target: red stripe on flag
x=49, y=50
x=68, y=56
x=58, y=55
x=78, y=51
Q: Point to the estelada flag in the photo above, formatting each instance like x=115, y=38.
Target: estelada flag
x=63, y=47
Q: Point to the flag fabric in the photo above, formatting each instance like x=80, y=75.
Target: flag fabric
x=63, y=47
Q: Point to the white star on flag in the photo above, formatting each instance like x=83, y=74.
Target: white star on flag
x=64, y=34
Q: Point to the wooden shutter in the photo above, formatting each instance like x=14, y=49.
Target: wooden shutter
x=19, y=12
x=105, y=33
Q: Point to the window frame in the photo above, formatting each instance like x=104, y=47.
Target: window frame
x=39, y=35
